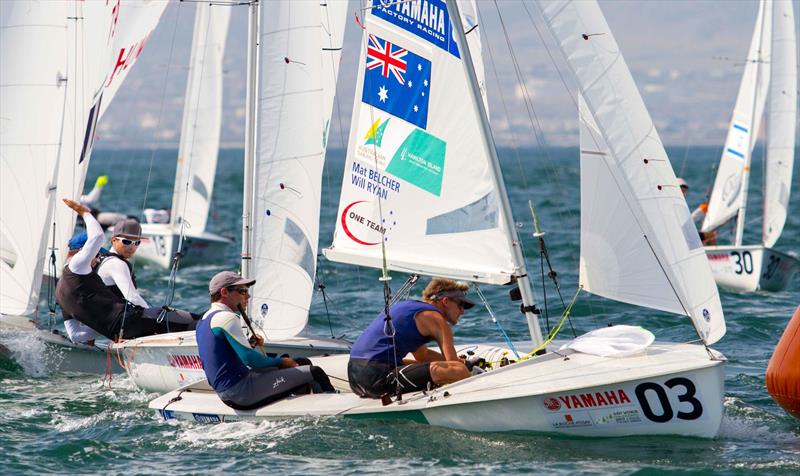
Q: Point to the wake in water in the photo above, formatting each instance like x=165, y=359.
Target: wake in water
x=30, y=353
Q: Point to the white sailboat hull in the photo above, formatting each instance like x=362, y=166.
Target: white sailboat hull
x=162, y=363
x=160, y=243
x=670, y=389
x=751, y=268
x=62, y=354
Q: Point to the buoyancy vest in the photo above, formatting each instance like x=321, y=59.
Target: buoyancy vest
x=222, y=366
x=113, y=287
x=374, y=344
x=86, y=298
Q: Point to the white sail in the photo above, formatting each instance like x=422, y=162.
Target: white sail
x=202, y=119
x=416, y=182
x=781, y=122
x=333, y=16
x=288, y=168
x=727, y=196
x=638, y=242
x=32, y=95
x=105, y=40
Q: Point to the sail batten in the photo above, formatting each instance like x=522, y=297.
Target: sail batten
x=638, y=243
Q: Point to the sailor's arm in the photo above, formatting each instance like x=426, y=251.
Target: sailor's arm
x=117, y=271
x=81, y=263
x=432, y=324
x=229, y=327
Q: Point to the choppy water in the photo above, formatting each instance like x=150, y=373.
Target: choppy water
x=57, y=423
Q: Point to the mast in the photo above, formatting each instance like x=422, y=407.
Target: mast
x=744, y=184
x=249, y=136
x=521, y=273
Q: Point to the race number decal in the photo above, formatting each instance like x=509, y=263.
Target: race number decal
x=683, y=388
x=744, y=262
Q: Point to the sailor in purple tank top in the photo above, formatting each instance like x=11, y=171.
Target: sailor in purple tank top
x=377, y=359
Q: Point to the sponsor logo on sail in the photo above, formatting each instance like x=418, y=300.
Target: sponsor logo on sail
x=359, y=227
x=420, y=161
x=706, y=315
x=375, y=133
x=264, y=309
x=427, y=19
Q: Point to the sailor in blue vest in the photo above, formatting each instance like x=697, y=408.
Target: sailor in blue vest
x=376, y=356
x=242, y=377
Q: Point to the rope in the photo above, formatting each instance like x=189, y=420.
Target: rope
x=553, y=333
x=494, y=319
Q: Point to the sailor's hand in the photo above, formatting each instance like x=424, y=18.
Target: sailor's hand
x=288, y=362
x=256, y=340
x=101, y=181
x=79, y=209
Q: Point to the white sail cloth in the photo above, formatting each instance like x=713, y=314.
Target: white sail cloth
x=418, y=184
x=638, y=242
x=202, y=119
x=781, y=120
x=615, y=341
x=32, y=95
x=726, y=195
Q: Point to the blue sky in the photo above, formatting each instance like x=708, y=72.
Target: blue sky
x=671, y=47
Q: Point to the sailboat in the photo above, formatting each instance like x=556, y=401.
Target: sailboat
x=297, y=66
x=770, y=72
x=425, y=195
x=197, y=154
x=76, y=57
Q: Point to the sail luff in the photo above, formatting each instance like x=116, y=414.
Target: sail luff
x=639, y=189
x=781, y=122
x=202, y=120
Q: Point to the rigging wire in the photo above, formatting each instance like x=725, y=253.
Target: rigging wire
x=492, y=316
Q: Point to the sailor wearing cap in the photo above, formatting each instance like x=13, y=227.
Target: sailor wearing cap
x=243, y=377
x=376, y=356
x=82, y=294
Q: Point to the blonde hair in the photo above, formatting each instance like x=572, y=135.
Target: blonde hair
x=440, y=285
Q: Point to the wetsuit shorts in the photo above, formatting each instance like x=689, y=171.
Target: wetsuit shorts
x=373, y=379
x=263, y=386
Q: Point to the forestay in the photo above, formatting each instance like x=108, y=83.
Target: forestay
x=726, y=195
x=104, y=41
x=781, y=120
x=32, y=95
x=294, y=108
x=638, y=242
x=417, y=180
x=202, y=118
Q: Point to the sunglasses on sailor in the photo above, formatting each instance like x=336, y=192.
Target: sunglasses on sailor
x=242, y=291
x=128, y=242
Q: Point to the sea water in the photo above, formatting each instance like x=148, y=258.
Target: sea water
x=72, y=423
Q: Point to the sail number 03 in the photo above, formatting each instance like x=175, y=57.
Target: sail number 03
x=667, y=413
x=744, y=262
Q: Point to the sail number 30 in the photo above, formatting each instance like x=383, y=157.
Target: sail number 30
x=666, y=412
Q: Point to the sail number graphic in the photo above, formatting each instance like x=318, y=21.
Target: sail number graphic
x=744, y=262
x=666, y=412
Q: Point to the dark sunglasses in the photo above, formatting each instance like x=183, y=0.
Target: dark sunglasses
x=242, y=291
x=128, y=242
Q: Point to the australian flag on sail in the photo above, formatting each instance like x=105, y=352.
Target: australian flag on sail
x=397, y=81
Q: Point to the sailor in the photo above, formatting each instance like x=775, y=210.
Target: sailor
x=698, y=215
x=243, y=377
x=77, y=331
x=82, y=294
x=117, y=272
x=377, y=365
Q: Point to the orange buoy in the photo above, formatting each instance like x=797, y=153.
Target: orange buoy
x=783, y=371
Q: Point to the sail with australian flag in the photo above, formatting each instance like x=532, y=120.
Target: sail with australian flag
x=417, y=185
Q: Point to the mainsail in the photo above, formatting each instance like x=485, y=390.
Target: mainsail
x=418, y=187
x=32, y=95
x=202, y=119
x=638, y=242
x=104, y=41
x=728, y=193
x=300, y=46
x=781, y=122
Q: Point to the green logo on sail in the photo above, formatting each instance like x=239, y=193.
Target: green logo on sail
x=420, y=161
x=375, y=133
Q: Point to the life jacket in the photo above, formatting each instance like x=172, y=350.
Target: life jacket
x=86, y=298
